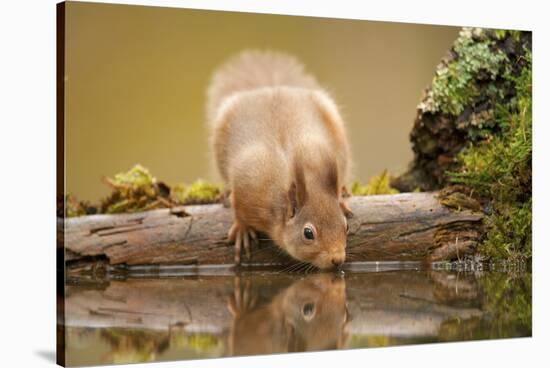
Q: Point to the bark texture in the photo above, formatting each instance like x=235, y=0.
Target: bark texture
x=401, y=227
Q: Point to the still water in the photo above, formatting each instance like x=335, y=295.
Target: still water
x=182, y=315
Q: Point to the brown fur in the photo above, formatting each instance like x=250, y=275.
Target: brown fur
x=281, y=147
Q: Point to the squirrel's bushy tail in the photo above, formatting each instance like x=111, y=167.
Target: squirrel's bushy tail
x=253, y=69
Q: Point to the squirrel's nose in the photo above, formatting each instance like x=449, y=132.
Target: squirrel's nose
x=337, y=261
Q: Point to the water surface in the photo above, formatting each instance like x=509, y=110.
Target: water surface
x=177, y=314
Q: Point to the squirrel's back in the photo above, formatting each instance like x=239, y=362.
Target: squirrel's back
x=255, y=69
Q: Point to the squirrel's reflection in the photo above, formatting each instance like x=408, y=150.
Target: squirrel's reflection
x=308, y=315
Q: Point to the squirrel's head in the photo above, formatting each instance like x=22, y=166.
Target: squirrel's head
x=315, y=228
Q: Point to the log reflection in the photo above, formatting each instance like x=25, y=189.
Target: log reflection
x=158, y=319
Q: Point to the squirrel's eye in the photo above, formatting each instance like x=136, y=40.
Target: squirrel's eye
x=308, y=233
x=307, y=309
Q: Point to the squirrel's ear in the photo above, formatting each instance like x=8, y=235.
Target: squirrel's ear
x=297, y=193
x=293, y=200
x=331, y=177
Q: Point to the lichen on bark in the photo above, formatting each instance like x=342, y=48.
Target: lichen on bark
x=473, y=128
x=470, y=84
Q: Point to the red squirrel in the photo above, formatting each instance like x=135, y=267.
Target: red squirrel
x=281, y=148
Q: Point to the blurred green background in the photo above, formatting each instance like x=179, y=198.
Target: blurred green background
x=136, y=79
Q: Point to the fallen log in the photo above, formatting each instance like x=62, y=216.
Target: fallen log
x=400, y=227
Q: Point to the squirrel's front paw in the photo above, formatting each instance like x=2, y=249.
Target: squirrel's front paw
x=242, y=236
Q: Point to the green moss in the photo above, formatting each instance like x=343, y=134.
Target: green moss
x=455, y=84
x=499, y=170
x=178, y=193
x=455, y=198
x=461, y=106
x=132, y=191
x=473, y=128
x=502, y=34
x=196, y=193
x=137, y=176
x=138, y=190
x=73, y=207
x=379, y=184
